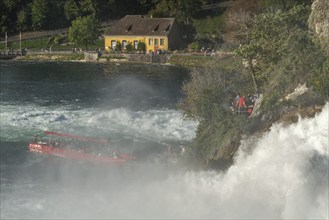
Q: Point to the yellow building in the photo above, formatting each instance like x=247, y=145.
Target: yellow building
x=156, y=33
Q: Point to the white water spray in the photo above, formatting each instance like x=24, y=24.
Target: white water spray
x=155, y=124
x=284, y=177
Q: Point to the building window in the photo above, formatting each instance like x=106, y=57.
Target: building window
x=124, y=44
x=156, y=28
x=136, y=44
x=113, y=44
x=129, y=28
x=151, y=41
x=167, y=28
x=161, y=42
x=156, y=42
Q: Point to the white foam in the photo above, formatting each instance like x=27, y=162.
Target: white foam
x=285, y=176
x=155, y=125
x=152, y=124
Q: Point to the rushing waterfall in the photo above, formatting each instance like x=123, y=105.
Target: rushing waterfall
x=282, y=175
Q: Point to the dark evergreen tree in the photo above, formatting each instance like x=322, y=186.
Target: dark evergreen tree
x=39, y=12
x=8, y=15
x=183, y=10
x=71, y=10
x=56, y=15
x=22, y=22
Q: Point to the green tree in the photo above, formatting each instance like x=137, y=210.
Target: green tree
x=183, y=10
x=186, y=9
x=84, y=31
x=39, y=11
x=22, y=20
x=74, y=9
x=286, y=4
x=8, y=11
x=88, y=7
x=56, y=16
x=271, y=36
x=71, y=10
x=147, y=5
x=105, y=9
x=162, y=9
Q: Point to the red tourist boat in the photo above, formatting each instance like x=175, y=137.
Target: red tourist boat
x=77, y=147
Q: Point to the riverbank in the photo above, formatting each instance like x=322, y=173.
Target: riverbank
x=51, y=57
x=227, y=60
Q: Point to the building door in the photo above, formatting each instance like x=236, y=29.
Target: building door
x=156, y=48
x=124, y=44
x=113, y=44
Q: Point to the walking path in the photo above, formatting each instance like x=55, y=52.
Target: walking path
x=39, y=34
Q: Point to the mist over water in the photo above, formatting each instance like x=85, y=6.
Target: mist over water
x=283, y=175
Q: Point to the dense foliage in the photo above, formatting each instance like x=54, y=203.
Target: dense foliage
x=84, y=31
x=274, y=40
x=26, y=15
x=182, y=10
x=280, y=43
x=208, y=98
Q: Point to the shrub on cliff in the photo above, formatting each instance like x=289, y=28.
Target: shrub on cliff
x=280, y=43
x=209, y=93
x=280, y=54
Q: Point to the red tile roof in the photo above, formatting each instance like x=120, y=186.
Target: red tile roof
x=140, y=25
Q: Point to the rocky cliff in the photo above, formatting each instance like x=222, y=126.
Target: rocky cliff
x=319, y=22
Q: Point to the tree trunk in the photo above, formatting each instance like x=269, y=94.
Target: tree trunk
x=252, y=70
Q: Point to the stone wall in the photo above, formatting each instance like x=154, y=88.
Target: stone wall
x=147, y=58
x=91, y=56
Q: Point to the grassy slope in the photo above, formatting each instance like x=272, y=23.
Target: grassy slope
x=38, y=44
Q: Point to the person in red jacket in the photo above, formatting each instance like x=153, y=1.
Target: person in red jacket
x=241, y=103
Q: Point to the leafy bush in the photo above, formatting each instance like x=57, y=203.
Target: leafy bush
x=118, y=46
x=320, y=80
x=141, y=46
x=195, y=46
x=129, y=47
x=60, y=39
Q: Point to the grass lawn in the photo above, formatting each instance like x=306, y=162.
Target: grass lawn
x=43, y=43
x=228, y=63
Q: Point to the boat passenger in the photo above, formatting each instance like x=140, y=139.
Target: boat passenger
x=36, y=139
x=114, y=154
x=169, y=149
x=182, y=150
